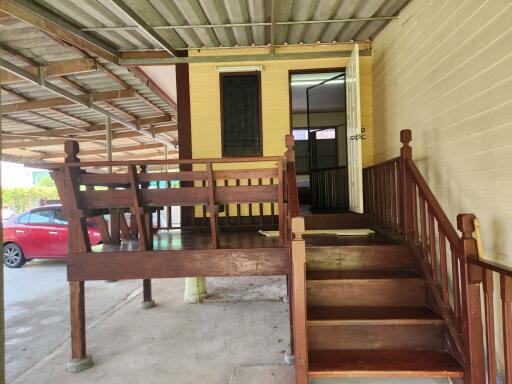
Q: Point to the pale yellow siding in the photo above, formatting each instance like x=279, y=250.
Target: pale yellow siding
x=205, y=100
x=444, y=70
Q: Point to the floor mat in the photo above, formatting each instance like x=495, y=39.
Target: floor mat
x=337, y=232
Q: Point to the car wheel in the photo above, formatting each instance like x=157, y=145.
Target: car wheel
x=13, y=256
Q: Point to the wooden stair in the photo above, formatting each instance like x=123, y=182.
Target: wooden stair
x=368, y=315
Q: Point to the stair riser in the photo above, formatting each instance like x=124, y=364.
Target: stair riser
x=378, y=292
x=337, y=221
x=376, y=336
x=383, y=258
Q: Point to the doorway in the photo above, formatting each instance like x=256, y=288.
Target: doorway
x=319, y=126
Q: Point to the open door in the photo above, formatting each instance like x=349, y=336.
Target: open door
x=354, y=135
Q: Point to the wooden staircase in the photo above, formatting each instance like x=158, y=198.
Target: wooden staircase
x=367, y=314
x=415, y=300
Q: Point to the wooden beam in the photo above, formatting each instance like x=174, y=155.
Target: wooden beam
x=63, y=132
x=62, y=101
x=166, y=264
x=100, y=137
x=40, y=80
x=133, y=148
x=52, y=70
x=139, y=73
x=148, y=58
x=52, y=24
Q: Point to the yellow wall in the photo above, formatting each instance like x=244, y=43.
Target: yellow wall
x=441, y=71
x=205, y=99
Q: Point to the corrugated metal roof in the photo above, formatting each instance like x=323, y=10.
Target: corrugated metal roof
x=228, y=23
x=22, y=44
x=179, y=24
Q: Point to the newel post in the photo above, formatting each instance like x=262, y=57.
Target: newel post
x=471, y=279
x=300, y=338
x=293, y=198
x=407, y=216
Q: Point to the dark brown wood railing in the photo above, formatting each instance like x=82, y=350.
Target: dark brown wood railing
x=91, y=189
x=401, y=203
x=297, y=277
x=485, y=273
x=329, y=188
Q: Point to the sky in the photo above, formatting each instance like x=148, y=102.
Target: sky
x=16, y=175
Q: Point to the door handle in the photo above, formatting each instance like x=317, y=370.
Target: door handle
x=20, y=231
x=53, y=233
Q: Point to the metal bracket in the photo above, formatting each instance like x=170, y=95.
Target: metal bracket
x=41, y=75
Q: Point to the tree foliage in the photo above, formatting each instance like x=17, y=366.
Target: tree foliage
x=21, y=199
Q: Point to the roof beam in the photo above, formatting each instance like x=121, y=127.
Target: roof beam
x=52, y=70
x=123, y=8
x=63, y=132
x=92, y=152
x=153, y=87
x=235, y=25
x=45, y=20
x=19, y=159
x=62, y=101
x=37, y=142
x=41, y=80
x=150, y=58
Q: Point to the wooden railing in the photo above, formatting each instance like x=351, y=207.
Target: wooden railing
x=400, y=202
x=485, y=273
x=329, y=188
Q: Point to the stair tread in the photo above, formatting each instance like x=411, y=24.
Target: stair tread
x=382, y=363
x=326, y=313
x=358, y=275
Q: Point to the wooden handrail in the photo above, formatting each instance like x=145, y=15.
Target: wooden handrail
x=159, y=162
x=502, y=269
x=426, y=228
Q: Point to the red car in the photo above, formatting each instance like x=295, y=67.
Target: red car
x=40, y=233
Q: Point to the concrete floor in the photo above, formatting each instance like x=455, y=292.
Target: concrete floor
x=171, y=343
x=237, y=336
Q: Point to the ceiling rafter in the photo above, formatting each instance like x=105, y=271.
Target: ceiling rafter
x=42, y=81
x=52, y=24
x=59, y=140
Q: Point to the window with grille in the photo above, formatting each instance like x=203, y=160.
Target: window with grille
x=241, y=114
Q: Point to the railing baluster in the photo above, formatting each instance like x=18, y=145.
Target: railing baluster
x=433, y=250
x=415, y=213
x=456, y=287
x=423, y=226
x=444, y=266
x=488, y=288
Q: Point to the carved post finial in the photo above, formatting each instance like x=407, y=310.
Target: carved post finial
x=298, y=228
x=290, y=148
x=466, y=224
x=71, y=148
x=405, y=138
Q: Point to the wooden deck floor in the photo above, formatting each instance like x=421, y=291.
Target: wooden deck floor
x=189, y=239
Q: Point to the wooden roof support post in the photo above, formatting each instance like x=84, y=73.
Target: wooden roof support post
x=78, y=243
x=471, y=278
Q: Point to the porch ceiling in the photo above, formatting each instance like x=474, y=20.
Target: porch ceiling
x=79, y=90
